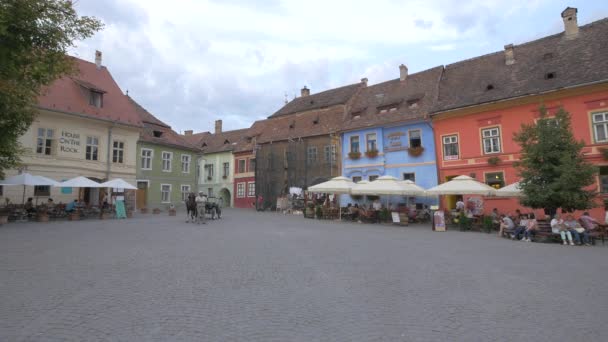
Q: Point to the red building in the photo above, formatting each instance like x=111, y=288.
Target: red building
x=483, y=101
x=244, y=168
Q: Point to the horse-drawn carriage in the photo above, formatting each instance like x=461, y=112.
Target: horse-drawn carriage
x=212, y=207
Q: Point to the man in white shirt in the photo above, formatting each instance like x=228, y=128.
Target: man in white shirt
x=201, y=201
x=377, y=205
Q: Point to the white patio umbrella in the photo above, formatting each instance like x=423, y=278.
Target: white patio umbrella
x=385, y=185
x=118, y=183
x=462, y=185
x=411, y=189
x=511, y=190
x=337, y=185
x=80, y=182
x=27, y=179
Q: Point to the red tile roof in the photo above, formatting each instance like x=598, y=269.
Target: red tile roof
x=71, y=94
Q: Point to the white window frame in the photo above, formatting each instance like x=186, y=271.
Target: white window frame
x=238, y=165
x=120, y=152
x=485, y=140
x=409, y=136
x=309, y=153
x=45, y=139
x=92, y=146
x=162, y=192
x=187, y=163
x=170, y=160
x=251, y=189
x=369, y=178
x=446, y=140
x=350, y=145
x=208, y=171
x=409, y=173
x=357, y=179
x=240, y=189
x=225, y=169
x=600, y=124
x=182, y=186
x=149, y=158
x=368, y=140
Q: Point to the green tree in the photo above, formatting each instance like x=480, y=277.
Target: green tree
x=552, y=169
x=34, y=38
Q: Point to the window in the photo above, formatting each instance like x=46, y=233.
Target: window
x=330, y=152
x=210, y=192
x=185, y=163
x=118, y=150
x=241, y=163
x=491, y=140
x=450, y=147
x=372, y=178
x=312, y=154
x=167, y=156
x=96, y=99
x=42, y=190
x=240, y=190
x=157, y=134
x=1, y=190
x=252, y=165
x=354, y=144
x=44, y=143
x=185, y=192
x=198, y=171
x=415, y=140
x=209, y=171
x=495, y=179
x=410, y=176
x=165, y=193
x=604, y=179
x=600, y=126
x=92, y=148
x=356, y=179
x=371, y=142
x=226, y=170
x=251, y=189
x=146, y=159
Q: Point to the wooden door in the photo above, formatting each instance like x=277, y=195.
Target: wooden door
x=141, y=194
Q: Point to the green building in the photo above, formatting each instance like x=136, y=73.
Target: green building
x=166, y=165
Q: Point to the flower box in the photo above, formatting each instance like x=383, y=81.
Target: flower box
x=172, y=212
x=143, y=210
x=156, y=211
x=354, y=155
x=371, y=153
x=42, y=217
x=415, y=151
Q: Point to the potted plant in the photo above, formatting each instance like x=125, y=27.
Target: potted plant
x=156, y=211
x=319, y=212
x=172, y=211
x=488, y=224
x=105, y=213
x=74, y=215
x=310, y=210
x=4, y=212
x=494, y=161
x=384, y=215
x=143, y=210
x=354, y=155
x=129, y=213
x=415, y=151
x=42, y=213
x=371, y=153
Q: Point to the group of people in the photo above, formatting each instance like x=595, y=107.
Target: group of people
x=524, y=227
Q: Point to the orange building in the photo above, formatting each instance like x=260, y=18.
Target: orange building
x=483, y=102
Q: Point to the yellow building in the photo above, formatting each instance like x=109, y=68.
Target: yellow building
x=85, y=126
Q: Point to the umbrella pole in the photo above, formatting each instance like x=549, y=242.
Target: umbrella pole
x=23, y=198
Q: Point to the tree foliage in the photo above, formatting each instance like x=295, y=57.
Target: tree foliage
x=552, y=169
x=34, y=38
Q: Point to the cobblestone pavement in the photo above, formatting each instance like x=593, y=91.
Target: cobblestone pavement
x=269, y=277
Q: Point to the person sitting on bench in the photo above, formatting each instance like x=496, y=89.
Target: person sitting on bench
x=558, y=227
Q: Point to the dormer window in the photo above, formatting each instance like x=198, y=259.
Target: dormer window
x=388, y=108
x=96, y=99
x=157, y=134
x=226, y=142
x=413, y=103
x=489, y=87
x=549, y=75
x=292, y=125
x=315, y=121
x=204, y=145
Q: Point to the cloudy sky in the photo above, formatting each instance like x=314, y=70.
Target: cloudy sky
x=190, y=62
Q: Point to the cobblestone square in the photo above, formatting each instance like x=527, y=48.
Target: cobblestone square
x=269, y=277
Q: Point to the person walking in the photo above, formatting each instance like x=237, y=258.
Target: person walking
x=201, y=203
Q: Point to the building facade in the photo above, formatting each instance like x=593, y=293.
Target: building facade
x=477, y=118
x=85, y=126
x=166, y=167
x=388, y=132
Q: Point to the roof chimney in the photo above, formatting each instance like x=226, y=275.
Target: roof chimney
x=218, y=126
x=570, y=22
x=305, y=92
x=98, y=59
x=188, y=132
x=509, y=55
x=364, y=81
x=402, y=72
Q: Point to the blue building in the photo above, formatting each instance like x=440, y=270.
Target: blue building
x=388, y=132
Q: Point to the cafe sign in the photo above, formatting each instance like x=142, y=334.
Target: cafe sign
x=69, y=142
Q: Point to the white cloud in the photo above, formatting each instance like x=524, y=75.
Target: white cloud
x=190, y=62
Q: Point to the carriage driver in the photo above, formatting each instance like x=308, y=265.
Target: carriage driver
x=201, y=201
